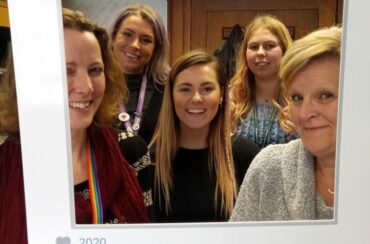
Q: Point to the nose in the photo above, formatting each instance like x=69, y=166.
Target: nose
x=136, y=43
x=82, y=83
x=261, y=51
x=308, y=109
x=197, y=97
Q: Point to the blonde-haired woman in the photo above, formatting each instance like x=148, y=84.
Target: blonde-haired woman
x=295, y=181
x=255, y=92
x=197, y=173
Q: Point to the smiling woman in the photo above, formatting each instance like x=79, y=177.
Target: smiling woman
x=198, y=167
x=105, y=187
x=255, y=92
x=140, y=45
x=295, y=181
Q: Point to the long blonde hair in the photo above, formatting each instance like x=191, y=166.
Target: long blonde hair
x=165, y=142
x=242, y=84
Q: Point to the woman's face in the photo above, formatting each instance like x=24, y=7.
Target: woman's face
x=264, y=54
x=196, y=97
x=85, y=75
x=134, y=44
x=314, y=103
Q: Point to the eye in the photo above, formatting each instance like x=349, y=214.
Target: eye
x=146, y=40
x=96, y=71
x=326, y=95
x=269, y=46
x=295, y=98
x=253, y=47
x=184, y=89
x=70, y=71
x=127, y=34
x=207, y=89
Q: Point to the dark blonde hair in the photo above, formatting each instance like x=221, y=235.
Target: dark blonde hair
x=158, y=66
x=322, y=43
x=115, y=85
x=165, y=142
x=242, y=84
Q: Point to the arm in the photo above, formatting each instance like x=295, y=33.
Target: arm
x=136, y=152
x=248, y=201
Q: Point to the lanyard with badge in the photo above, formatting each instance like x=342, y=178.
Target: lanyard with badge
x=125, y=117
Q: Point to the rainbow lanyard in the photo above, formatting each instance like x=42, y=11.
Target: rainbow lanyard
x=96, y=204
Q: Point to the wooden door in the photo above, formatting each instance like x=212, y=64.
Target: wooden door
x=206, y=23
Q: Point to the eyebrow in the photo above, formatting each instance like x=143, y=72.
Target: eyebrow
x=265, y=42
x=131, y=30
x=202, y=84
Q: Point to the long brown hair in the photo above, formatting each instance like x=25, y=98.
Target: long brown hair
x=165, y=142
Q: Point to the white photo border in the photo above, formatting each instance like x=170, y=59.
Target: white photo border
x=36, y=29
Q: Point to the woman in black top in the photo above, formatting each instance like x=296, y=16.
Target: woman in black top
x=197, y=173
x=141, y=47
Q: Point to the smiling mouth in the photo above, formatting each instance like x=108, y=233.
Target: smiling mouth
x=131, y=56
x=262, y=64
x=315, y=128
x=80, y=105
x=196, y=110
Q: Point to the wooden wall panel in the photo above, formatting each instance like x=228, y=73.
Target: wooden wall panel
x=301, y=21
x=198, y=23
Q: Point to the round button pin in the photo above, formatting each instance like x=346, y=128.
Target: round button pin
x=135, y=126
x=124, y=117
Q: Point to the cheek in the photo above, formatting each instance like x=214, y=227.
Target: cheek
x=294, y=114
x=100, y=86
x=150, y=51
x=249, y=56
x=177, y=102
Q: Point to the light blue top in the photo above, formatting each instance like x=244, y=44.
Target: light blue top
x=276, y=134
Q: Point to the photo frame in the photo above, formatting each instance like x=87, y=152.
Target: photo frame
x=44, y=125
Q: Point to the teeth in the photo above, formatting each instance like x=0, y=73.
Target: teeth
x=132, y=55
x=80, y=105
x=262, y=64
x=196, y=111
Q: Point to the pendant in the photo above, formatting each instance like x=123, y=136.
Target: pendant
x=123, y=117
x=135, y=127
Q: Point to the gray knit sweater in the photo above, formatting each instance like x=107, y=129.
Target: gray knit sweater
x=280, y=185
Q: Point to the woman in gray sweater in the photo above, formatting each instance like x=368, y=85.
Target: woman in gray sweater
x=295, y=181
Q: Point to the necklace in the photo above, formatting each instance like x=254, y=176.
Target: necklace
x=125, y=117
x=263, y=140
x=96, y=203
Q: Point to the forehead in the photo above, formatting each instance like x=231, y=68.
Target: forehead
x=76, y=41
x=320, y=72
x=197, y=74
x=135, y=21
x=262, y=34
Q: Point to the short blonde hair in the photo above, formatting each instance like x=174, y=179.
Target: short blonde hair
x=318, y=44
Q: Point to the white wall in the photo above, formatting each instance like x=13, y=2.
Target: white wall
x=105, y=11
